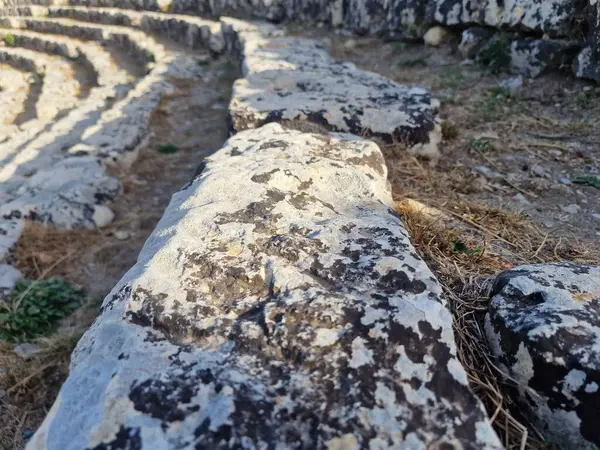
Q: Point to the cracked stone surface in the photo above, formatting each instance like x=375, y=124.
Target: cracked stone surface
x=280, y=305
x=543, y=326
x=293, y=79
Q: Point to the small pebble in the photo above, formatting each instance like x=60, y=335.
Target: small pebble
x=565, y=181
x=571, y=209
x=122, y=235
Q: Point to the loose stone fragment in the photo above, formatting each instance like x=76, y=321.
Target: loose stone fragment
x=543, y=326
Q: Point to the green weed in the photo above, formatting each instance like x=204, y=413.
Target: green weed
x=589, y=180
x=34, y=308
x=495, y=55
x=9, y=39
x=167, y=148
x=483, y=145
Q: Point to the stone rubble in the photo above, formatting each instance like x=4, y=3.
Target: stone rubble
x=543, y=325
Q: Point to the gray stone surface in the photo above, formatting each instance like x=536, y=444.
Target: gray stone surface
x=531, y=58
x=543, y=326
x=294, y=80
x=472, y=40
x=554, y=17
x=587, y=63
x=278, y=305
x=59, y=88
x=399, y=18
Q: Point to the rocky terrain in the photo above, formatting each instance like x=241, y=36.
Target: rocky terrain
x=333, y=225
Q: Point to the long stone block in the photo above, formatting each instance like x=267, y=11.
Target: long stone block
x=276, y=305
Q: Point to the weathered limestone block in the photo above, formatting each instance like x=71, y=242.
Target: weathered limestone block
x=532, y=57
x=472, y=41
x=293, y=79
x=543, y=326
x=188, y=30
x=277, y=305
x=69, y=194
x=587, y=63
x=59, y=88
x=136, y=43
x=554, y=17
x=13, y=96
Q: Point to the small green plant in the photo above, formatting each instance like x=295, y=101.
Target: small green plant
x=589, y=180
x=458, y=246
x=413, y=61
x=399, y=46
x=151, y=57
x=483, y=145
x=34, y=308
x=495, y=55
x=167, y=148
x=9, y=39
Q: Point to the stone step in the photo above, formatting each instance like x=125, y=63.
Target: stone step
x=98, y=131
x=139, y=45
x=60, y=90
x=278, y=303
x=93, y=57
x=293, y=80
x=14, y=89
x=193, y=32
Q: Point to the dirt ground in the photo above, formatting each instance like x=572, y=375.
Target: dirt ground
x=504, y=193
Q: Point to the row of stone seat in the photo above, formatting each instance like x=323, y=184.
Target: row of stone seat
x=59, y=88
x=108, y=126
x=279, y=303
x=575, y=23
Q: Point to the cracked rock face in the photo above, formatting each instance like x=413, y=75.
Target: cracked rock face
x=293, y=79
x=280, y=305
x=543, y=325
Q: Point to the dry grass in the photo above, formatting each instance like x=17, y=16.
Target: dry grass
x=40, y=248
x=28, y=387
x=465, y=244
